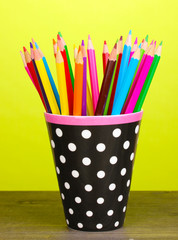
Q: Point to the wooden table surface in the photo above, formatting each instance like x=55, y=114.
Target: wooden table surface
x=39, y=215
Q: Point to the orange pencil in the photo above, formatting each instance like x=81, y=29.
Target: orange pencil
x=78, y=85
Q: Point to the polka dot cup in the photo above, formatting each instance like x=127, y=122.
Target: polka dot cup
x=94, y=159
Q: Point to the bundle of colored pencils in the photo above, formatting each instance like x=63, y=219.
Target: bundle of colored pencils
x=128, y=72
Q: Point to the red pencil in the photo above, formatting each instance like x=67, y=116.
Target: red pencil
x=105, y=56
x=70, y=93
x=120, y=50
x=33, y=73
x=54, y=47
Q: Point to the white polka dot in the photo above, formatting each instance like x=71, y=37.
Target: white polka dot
x=110, y=212
x=89, y=213
x=99, y=226
x=136, y=129
x=75, y=173
x=66, y=185
x=126, y=144
x=101, y=174
x=116, y=133
x=100, y=200
x=132, y=156
x=72, y=147
x=123, y=171
x=57, y=170
x=116, y=224
x=62, y=159
x=52, y=144
x=78, y=199
x=86, y=161
x=86, y=134
x=71, y=211
x=80, y=225
x=88, y=188
x=113, y=160
x=120, y=198
x=128, y=183
x=124, y=209
x=100, y=147
x=59, y=132
x=67, y=221
x=62, y=196
x=112, y=186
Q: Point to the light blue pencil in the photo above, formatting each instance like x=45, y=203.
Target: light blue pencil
x=56, y=94
x=117, y=108
x=124, y=65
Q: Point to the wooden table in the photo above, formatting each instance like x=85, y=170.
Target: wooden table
x=39, y=215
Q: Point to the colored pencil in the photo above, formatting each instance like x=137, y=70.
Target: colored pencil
x=149, y=78
x=92, y=71
x=54, y=47
x=46, y=83
x=84, y=92
x=134, y=48
x=126, y=82
x=143, y=54
x=106, y=82
x=70, y=93
x=25, y=66
x=68, y=60
x=62, y=83
x=138, y=87
x=124, y=65
x=78, y=85
x=112, y=82
x=33, y=73
x=53, y=85
x=75, y=52
x=105, y=56
x=47, y=107
x=120, y=50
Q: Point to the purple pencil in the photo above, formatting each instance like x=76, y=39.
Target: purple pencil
x=140, y=82
x=84, y=93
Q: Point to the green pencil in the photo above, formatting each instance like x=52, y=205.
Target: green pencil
x=68, y=60
x=149, y=78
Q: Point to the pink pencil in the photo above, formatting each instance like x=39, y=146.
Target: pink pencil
x=93, y=72
x=134, y=48
x=25, y=65
x=138, y=87
x=144, y=46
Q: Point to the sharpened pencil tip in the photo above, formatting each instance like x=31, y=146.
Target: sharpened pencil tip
x=58, y=37
x=89, y=38
x=36, y=45
x=130, y=32
x=155, y=43
x=31, y=45
x=83, y=43
x=140, y=45
x=54, y=42
x=60, y=34
x=161, y=43
x=152, y=42
x=121, y=37
x=104, y=41
x=135, y=41
x=33, y=41
x=115, y=46
x=24, y=49
x=146, y=39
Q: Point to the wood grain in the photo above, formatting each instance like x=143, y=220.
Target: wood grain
x=39, y=216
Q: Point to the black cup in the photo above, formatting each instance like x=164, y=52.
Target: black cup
x=94, y=160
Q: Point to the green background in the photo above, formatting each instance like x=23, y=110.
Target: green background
x=25, y=158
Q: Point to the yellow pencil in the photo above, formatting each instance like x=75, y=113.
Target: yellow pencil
x=62, y=83
x=46, y=82
x=89, y=102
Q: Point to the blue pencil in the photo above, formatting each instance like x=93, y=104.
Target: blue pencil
x=117, y=108
x=56, y=94
x=124, y=65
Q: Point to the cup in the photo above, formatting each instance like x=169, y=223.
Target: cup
x=94, y=157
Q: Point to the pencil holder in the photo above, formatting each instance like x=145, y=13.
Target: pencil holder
x=94, y=158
